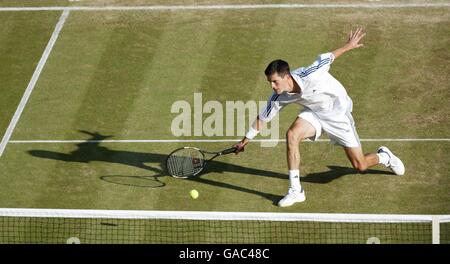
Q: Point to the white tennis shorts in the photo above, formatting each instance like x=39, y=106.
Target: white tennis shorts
x=339, y=127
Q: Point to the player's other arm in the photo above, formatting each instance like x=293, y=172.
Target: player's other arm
x=253, y=132
x=352, y=42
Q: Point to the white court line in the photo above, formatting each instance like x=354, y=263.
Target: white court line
x=222, y=7
x=33, y=81
x=216, y=140
x=208, y=215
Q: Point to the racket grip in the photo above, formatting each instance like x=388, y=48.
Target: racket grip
x=228, y=151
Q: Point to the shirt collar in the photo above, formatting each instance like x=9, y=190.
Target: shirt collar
x=299, y=81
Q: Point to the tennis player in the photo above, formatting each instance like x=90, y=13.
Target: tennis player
x=327, y=107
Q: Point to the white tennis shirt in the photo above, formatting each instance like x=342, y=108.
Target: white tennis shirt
x=320, y=92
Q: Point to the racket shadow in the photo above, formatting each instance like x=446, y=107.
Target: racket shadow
x=134, y=181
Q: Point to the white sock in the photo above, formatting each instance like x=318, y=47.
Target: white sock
x=384, y=158
x=294, y=180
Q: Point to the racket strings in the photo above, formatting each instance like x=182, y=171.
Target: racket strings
x=185, y=162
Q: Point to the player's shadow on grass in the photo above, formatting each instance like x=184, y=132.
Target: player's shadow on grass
x=336, y=172
x=91, y=151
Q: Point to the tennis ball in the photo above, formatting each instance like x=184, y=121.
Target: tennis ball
x=194, y=194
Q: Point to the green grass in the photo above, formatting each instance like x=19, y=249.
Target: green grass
x=23, y=37
x=118, y=73
x=36, y=3
x=164, y=57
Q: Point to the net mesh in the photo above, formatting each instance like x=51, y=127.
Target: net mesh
x=445, y=233
x=185, y=162
x=24, y=229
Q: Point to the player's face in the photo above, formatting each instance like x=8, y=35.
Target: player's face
x=279, y=84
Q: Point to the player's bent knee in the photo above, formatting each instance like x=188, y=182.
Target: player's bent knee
x=292, y=137
x=359, y=166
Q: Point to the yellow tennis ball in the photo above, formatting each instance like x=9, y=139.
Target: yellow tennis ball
x=194, y=194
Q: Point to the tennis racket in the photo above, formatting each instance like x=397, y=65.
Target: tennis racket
x=189, y=161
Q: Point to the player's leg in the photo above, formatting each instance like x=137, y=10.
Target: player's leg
x=360, y=161
x=384, y=156
x=344, y=133
x=299, y=130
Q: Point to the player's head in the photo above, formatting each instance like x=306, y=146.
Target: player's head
x=278, y=74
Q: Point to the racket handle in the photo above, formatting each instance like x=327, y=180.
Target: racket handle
x=228, y=151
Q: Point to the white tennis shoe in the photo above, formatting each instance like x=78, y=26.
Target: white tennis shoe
x=292, y=197
x=394, y=163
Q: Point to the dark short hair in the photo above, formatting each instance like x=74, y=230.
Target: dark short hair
x=277, y=66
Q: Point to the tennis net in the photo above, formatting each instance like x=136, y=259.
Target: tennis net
x=124, y=226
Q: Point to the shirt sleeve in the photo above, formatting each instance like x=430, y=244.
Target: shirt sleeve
x=320, y=65
x=272, y=108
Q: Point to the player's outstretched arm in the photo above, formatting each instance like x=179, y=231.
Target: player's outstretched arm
x=352, y=43
x=254, y=130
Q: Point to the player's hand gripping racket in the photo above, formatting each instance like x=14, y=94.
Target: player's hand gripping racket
x=189, y=161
